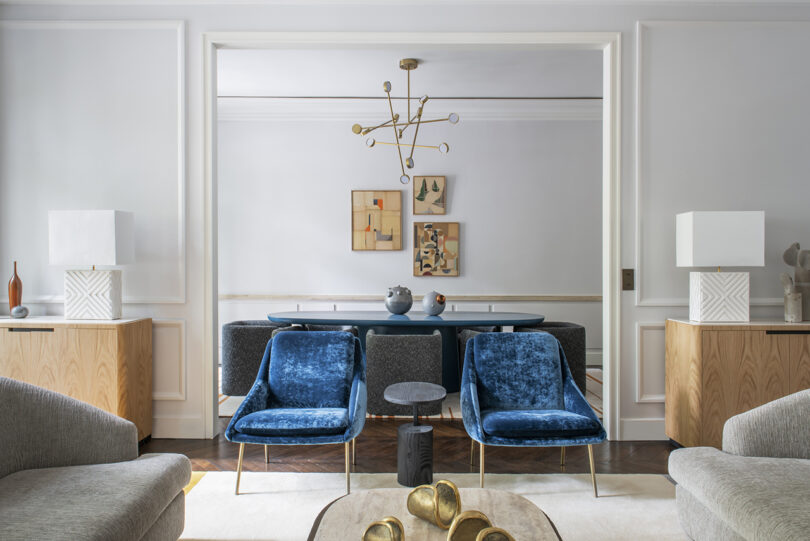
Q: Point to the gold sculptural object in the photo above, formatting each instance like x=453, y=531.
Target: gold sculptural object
x=399, y=127
x=387, y=529
x=494, y=534
x=438, y=505
x=467, y=526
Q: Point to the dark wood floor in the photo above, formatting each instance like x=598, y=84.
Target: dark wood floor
x=377, y=452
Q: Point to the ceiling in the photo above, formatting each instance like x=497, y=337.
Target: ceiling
x=466, y=72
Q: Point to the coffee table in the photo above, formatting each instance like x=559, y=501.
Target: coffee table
x=414, y=441
x=348, y=517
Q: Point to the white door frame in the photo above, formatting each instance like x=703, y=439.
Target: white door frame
x=610, y=45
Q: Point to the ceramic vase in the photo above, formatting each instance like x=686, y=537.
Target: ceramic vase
x=433, y=303
x=399, y=300
x=793, y=307
x=14, y=290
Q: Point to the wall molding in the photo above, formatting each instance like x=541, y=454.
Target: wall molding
x=643, y=397
x=373, y=298
x=179, y=27
x=180, y=393
x=610, y=45
x=641, y=27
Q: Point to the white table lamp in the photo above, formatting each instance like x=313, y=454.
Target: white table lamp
x=89, y=238
x=719, y=239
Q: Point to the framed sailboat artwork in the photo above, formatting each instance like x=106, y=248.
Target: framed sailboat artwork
x=376, y=220
x=429, y=195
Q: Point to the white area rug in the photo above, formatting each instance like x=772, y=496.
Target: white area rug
x=283, y=506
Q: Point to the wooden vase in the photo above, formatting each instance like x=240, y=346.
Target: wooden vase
x=14, y=290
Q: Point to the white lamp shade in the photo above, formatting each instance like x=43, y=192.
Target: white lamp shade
x=91, y=237
x=720, y=239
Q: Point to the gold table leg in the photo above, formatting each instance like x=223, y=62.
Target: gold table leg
x=266, y=454
x=239, y=467
x=472, y=451
x=354, y=452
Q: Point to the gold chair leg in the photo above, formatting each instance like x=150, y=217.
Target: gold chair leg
x=482, y=464
x=266, y=454
x=562, y=457
x=354, y=452
x=472, y=451
x=593, y=472
x=346, y=452
x=239, y=466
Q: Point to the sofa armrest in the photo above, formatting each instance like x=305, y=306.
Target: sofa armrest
x=778, y=429
x=45, y=429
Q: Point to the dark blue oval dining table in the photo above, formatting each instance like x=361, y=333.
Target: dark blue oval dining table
x=413, y=323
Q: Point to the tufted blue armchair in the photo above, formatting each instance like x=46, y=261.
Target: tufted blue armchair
x=517, y=390
x=310, y=389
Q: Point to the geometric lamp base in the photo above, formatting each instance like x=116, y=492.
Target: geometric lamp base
x=718, y=296
x=93, y=294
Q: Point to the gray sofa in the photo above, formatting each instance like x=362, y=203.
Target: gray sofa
x=70, y=471
x=758, y=486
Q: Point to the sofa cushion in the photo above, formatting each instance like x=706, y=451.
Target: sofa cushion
x=518, y=371
x=759, y=498
x=295, y=422
x=119, y=500
x=311, y=369
x=537, y=424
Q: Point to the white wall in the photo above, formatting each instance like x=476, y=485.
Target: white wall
x=526, y=193
x=185, y=416
x=527, y=196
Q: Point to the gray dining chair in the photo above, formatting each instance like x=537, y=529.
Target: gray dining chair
x=394, y=358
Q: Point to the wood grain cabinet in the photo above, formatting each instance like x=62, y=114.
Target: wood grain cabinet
x=717, y=370
x=105, y=363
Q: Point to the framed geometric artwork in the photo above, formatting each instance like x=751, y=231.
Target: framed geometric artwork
x=435, y=248
x=429, y=195
x=376, y=220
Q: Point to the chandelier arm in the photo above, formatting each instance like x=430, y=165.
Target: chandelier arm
x=429, y=121
x=394, y=125
x=366, y=131
x=405, y=145
x=415, y=133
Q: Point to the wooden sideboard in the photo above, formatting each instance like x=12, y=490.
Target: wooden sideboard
x=105, y=363
x=717, y=370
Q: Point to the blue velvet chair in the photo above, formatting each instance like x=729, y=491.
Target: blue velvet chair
x=517, y=390
x=310, y=390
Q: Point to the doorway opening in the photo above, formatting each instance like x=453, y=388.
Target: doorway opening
x=294, y=49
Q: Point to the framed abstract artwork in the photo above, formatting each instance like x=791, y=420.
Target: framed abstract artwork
x=376, y=220
x=429, y=195
x=435, y=248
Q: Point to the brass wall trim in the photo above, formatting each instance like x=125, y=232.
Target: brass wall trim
x=380, y=297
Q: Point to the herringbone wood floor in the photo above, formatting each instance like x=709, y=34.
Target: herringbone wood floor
x=377, y=453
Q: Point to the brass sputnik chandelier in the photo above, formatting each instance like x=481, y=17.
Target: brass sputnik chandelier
x=408, y=64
